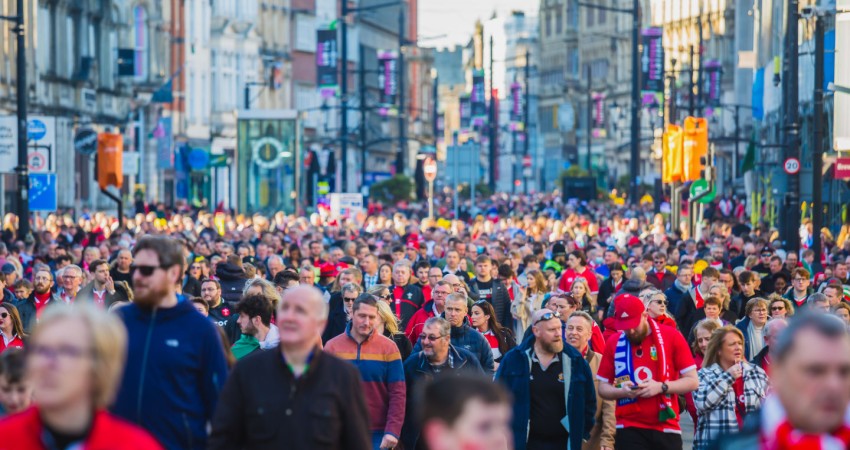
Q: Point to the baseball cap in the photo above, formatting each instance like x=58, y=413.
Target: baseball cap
x=628, y=311
x=413, y=244
x=328, y=270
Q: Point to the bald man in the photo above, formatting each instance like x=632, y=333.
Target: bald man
x=326, y=409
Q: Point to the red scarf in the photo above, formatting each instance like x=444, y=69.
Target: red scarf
x=398, y=291
x=779, y=434
x=700, y=301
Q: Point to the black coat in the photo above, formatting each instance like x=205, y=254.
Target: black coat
x=232, y=280
x=262, y=406
x=410, y=302
x=501, y=301
x=337, y=321
x=402, y=342
x=417, y=371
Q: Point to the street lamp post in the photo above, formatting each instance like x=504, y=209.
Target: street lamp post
x=23, y=207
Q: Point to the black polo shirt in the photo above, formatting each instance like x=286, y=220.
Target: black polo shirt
x=548, y=405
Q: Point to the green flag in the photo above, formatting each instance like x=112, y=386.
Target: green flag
x=749, y=162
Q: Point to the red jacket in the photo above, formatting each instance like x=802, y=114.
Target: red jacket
x=23, y=431
x=417, y=322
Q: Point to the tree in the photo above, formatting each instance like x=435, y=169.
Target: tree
x=399, y=188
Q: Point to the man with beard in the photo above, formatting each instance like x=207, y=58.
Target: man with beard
x=643, y=368
x=175, y=361
x=30, y=308
x=437, y=358
x=222, y=313
x=381, y=371
x=254, y=320
x=554, y=398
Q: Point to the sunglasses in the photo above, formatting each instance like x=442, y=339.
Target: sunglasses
x=777, y=308
x=661, y=302
x=195, y=268
x=428, y=337
x=547, y=316
x=145, y=271
x=348, y=299
x=4, y=315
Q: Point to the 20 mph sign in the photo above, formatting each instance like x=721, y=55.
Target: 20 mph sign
x=792, y=166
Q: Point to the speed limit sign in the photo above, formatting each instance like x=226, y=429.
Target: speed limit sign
x=792, y=166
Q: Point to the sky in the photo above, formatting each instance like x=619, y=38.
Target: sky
x=454, y=20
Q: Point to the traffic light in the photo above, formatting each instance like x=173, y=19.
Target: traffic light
x=110, y=158
x=671, y=154
x=695, y=148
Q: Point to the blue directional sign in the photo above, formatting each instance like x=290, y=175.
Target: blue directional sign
x=42, y=192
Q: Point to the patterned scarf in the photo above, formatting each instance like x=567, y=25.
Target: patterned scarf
x=779, y=434
x=624, y=367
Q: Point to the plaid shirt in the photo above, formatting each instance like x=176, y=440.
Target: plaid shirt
x=715, y=401
x=370, y=280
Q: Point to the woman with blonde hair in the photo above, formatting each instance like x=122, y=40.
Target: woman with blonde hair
x=388, y=326
x=75, y=359
x=580, y=290
x=536, y=295
x=729, y=387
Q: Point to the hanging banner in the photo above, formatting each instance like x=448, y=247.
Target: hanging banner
x=652, y=67
x=266, y=158
x=516, y=107
x=694, y=147
x=327, y=54
x=711, y=90
x=110, y=160
x=465, y=113
x=164, y=143
x=388, y=81
x=478, y=101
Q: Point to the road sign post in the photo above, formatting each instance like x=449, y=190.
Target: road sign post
x=429, y=168
x=792, y=166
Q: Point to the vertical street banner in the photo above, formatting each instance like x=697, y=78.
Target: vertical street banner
x=841, y=121
x=711, y=89
x=465, y=113
x=388, y=81
x=327, y=53
x=478, y=101
x=516, y=107
x=652, y=67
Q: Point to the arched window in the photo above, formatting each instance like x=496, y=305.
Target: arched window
x=140, y=41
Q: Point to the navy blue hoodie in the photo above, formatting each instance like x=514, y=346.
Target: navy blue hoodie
x=174, y=372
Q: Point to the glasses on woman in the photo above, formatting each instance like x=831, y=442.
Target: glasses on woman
x=661, y=302
x=777, y=308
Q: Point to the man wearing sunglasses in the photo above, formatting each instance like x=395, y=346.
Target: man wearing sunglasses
x=554, y=398
x=659, y=276
x=340, y=316
x=438, y=357
x=175, y=362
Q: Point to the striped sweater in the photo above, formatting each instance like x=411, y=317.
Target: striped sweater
x=382, y=376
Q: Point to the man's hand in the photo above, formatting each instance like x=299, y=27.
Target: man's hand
x=389, y=442
x=628, y=392
x=649, y=388
x=110, y=285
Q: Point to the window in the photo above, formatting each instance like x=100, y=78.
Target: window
x=140, y=41
x=46, y=51
x=559, y=21
x=91, y=47
x=70, y=50
x=548, y=23
x=589, y=15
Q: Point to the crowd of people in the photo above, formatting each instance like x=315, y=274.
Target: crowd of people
x=557, y=326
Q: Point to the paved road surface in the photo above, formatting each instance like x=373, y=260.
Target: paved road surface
x=687, y=431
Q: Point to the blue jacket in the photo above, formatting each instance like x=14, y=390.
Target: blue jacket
x=742, y=325
x=174, y=372
x=515, y=371
x=471, y=340
x=417, y=372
